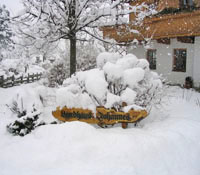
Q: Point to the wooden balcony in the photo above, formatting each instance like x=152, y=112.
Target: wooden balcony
x=184, y=24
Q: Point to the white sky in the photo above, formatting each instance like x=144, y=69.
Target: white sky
x=13, y=6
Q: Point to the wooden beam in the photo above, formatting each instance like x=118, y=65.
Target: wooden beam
x=185, y=24
x=164, y=41
x=186, y=39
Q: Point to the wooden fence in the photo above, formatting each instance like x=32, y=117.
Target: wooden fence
x=12, y=81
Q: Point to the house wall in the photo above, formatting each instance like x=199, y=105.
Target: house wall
x=165, y=59
x=197, y=2
x=168, y=4
x=196, y=69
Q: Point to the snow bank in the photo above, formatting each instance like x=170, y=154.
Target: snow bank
x=167, y=139
x=168, y=144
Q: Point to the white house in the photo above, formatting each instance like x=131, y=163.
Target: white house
x=175, y=61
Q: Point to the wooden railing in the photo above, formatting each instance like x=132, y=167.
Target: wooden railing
x=165, y=26
x=12, y=81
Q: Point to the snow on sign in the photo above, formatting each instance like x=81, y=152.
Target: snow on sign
x=103, y=116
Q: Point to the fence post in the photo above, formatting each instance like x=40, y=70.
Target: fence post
x=33, y=77
x=13, y=80
x=28, y=79
x=22, y=79
x=1, y=81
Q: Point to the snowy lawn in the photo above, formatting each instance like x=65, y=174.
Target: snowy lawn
x=166, y=142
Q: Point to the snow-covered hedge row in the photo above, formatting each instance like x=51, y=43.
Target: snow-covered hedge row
x=114, y=81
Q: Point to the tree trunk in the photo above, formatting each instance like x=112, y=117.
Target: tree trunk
x=72, y=22
x=73, y=55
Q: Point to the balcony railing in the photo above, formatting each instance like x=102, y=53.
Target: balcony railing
x=170, y=25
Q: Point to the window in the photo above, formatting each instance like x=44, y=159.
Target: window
x=179, y=63
x=151, y=57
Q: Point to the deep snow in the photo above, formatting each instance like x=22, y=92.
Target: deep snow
x=166, y=142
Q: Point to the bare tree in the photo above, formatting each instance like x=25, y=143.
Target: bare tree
x=69, y=19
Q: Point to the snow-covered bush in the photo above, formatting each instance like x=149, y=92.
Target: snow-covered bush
x=57, y=74
x=26, y=105
x=117, y=80
x=16, y=109
x=25, y=101
x=25, y=124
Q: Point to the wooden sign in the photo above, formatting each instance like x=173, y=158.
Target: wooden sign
x=103, y=116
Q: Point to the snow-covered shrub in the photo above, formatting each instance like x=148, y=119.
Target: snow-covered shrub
x=26, y=104
x=25, y=124
x=25, y=100
x=116, y=81
x=16, y=109
x=57, y=74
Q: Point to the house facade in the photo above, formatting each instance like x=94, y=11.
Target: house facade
x=174, y=33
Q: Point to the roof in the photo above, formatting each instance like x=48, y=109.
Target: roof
x=169, y=25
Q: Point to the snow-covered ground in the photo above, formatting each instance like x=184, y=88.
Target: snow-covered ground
x=166, y=142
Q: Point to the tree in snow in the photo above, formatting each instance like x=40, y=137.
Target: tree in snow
x=5, y=29
x=28, y=45
x=70, y=19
